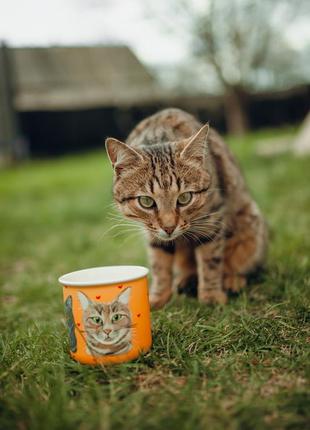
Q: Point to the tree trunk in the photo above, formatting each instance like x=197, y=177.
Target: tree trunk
x=235, y=111
x=301, y=145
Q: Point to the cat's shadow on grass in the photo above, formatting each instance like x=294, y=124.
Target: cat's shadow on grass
x=189, y=288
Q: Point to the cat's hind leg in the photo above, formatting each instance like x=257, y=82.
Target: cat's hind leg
x=245, y=247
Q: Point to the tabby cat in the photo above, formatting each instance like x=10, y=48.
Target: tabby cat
x=70, y=323
x=179, y=178
x=107, y=326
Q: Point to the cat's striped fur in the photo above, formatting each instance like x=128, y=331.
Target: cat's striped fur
x=219, y=236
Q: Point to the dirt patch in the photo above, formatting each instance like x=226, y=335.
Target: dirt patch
x=278, y=382
x=154, y=380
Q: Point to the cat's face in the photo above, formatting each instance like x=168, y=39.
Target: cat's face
x=106, y=322
x=163, y=186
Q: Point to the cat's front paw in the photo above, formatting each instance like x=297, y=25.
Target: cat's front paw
x=187, y=285
x=234, y=282
x=158, y=300
x=213, y=297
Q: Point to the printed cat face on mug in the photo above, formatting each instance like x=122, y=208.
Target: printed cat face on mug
x=107, y=325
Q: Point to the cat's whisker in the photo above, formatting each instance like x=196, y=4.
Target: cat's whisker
x=206, y=226
x=135, y=233
x=207, y=233
x=125, y=228
x=130, y=237
x=207, y=216
x=188, y=234
x=193, y=237
x=112, y=204
x=130, y=224
x=125, y=222
x=184, y=235
x=110, y=229
x=114, y=211
x=122, y=219
x=114, y=216
x=197, y=235
x=203, y=234
x=209, y=227
x=198, y=238
x=118, y=219
x=207, y=219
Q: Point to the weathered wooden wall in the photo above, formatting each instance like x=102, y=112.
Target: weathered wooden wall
x=8, y=123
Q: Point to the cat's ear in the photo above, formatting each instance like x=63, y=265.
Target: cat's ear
x=121, y=155
x=196, y=147
x=84, y=300
x=124, y=296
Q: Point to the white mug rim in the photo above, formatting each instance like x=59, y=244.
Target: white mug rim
x=103, y=275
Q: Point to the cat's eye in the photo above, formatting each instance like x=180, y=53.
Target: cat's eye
x=185, y=198
x=116, y=317
x=146, y=202
x=96, y=320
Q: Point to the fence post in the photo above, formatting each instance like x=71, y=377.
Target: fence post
x=12, y=146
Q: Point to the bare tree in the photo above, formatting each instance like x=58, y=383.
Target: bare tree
x=244, y=41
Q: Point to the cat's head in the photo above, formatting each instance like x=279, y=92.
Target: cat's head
x=163, y=186
x=106, y=322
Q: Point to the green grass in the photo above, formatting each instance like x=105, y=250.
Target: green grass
x=243, y=366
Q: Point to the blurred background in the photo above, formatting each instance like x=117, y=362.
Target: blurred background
x=75, y=71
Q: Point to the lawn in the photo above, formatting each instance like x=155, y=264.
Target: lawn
x=244, y=366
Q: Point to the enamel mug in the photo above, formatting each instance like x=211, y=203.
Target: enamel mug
x=107, y=313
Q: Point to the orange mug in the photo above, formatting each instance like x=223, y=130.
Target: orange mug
x=108, y=313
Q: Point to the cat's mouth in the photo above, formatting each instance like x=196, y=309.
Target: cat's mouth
x=171, y=238
x=165, y=237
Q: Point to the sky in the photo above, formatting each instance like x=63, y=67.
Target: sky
x=71, y=22
x=46, y=22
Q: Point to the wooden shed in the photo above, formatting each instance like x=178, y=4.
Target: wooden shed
x=64, y=98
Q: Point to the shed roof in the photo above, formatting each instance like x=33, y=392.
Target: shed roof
x=60, y=78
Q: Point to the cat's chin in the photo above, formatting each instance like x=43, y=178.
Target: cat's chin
x=167, y=241
x=170, y=239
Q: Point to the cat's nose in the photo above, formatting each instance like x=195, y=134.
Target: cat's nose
x=107, y=330
x=169, y=230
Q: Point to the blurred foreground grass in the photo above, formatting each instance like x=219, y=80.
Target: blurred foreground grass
x=239, y=367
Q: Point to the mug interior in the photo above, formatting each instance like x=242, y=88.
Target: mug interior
x=105, y=275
